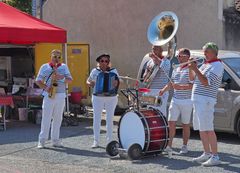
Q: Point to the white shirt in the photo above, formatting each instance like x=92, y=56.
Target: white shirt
x=181, y=76
x=46, y=70
x=214, y=73
x=161, y=79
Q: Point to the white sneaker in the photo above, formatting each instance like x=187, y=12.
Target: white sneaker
x=95, y=145
x=168, y=149
x=41, y=145
x=214, y=160
x=184, y=150
x=204, y=157
x=57, y=144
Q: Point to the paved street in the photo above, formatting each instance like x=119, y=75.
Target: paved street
x=18, y=153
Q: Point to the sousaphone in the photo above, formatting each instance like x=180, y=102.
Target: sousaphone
x=163, y=28
x=161, y=31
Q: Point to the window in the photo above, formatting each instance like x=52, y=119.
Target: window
x=234, y=64
x=230, y=83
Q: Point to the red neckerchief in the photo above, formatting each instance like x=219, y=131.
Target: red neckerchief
x=211, y=61
x=184, y=66
x=52, y=65
x=161, y=57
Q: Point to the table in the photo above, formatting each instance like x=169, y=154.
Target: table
x=32, y=94
x=5, y=100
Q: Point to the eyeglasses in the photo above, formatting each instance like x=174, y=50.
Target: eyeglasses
x=106, y=61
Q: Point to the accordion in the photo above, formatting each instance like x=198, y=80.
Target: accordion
x=104, y=85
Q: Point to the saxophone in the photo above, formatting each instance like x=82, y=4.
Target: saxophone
x=54, y=84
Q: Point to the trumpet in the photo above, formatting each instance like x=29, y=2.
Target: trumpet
x=199, y=60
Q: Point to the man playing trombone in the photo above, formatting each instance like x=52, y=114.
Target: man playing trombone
x=204, y=96
x=181, y=104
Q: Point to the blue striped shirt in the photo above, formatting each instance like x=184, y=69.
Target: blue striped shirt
x=214, y=73
x=46, y=70
x=181, y=76
x=160, y=80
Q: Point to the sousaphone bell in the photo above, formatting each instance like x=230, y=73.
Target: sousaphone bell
x=163, y=28
x=161, y=31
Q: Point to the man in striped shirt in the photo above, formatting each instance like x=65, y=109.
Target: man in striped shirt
x=181, y=104
x=52, y=106
x=160, y=79
x=204, y=96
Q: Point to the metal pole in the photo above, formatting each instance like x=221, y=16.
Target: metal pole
x=41, y=9
x=34, y=8
x=65, y=59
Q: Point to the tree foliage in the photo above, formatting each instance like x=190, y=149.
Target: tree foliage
x=23, y=5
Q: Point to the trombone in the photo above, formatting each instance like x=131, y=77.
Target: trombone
x=199, y=60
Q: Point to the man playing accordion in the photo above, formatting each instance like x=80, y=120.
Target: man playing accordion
x=104, y=81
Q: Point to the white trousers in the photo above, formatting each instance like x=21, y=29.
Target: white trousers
x=164, y=98
x=100, y=103
x=52, y=113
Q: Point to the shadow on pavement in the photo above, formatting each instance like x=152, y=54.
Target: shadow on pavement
x=24, y=132
x=80, y=152
x=228, y=161
x=221, y=136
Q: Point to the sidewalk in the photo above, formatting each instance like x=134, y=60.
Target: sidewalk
x=18, y=153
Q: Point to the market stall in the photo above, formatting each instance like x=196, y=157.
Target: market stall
x=19, y=33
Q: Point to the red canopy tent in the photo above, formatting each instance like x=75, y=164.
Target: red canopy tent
x=17, y=27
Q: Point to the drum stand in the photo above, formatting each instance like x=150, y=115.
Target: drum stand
x=132, y=98
x=131, y=94
x=134, y=152
x=113, y=148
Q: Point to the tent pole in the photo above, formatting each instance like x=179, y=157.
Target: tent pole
x=65, y=59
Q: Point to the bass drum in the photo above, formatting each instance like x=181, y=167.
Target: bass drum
x=148, y=128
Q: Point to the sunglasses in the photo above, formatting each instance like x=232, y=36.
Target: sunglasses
x=182, y=56
x=57, y=57
x=106, y=61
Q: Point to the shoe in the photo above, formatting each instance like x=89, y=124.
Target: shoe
x=184, y=150
x=214, y=160
x=95, y=145
x=40, y=145
x=168, y=149
x=57, y=143
x=204, y=157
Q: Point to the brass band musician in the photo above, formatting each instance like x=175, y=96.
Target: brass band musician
x=156, y=74
x=52, y=78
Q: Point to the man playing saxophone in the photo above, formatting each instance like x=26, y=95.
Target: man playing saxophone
x=52, y=78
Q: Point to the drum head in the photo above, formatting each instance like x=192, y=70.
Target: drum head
x=131, y=130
